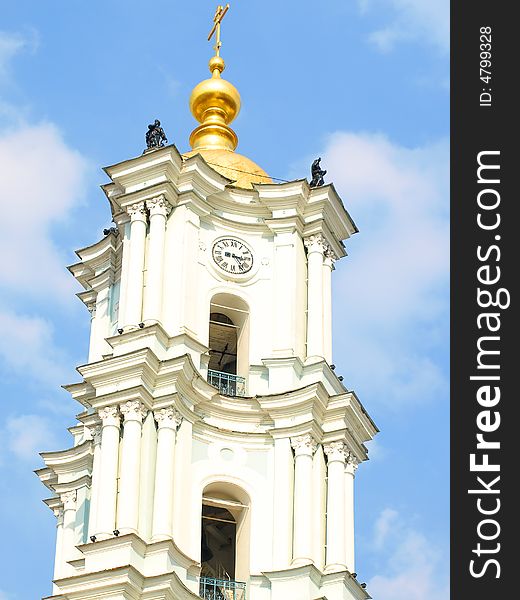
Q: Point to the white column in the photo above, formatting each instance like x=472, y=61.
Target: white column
x=304, y=447
x=69, y=530
x=107, y=493
x=58, y=561
x=159, y=209
x=93, y=331
x=315, y=245
x=95, y=432
x=183, y=480
x=328, y=267
x=147, y=476
x=168, y=420
x=125, y=265
x=350, y=471
x=134, y=287
x=335, y=559
x=319, y=507
x=128, y=502
x=283, y=503
x=286, y=293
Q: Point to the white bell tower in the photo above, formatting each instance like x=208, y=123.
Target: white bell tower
x=216, y=452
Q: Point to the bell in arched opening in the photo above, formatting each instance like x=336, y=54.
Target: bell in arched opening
x=222, y=343
x=218, y=544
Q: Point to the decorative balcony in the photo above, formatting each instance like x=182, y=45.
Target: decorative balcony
x=226, y=383
x=221, y=589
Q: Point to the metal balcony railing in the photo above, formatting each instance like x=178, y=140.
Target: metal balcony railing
x=226, y=383
x=221, y=589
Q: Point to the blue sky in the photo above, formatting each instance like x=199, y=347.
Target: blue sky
x=362, y=83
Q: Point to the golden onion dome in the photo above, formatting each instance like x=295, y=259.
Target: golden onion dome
x=240, y=169
x=215, y=102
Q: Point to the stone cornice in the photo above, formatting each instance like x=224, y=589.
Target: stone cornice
x=354, y=415
x=164, y=188
x=325, y=203
x=75, y=484
x=146, y=170
x=291, y=408
x=141, y=376
x=68, y=463
x=322, y=581
x=82, y=392
x=132, y=369
x=123, y=582
x=140, y=547
x=54, y=503
x=200, y=177
x=98, y=253
x=249, y=440
x=48, y=477
x=95, y=259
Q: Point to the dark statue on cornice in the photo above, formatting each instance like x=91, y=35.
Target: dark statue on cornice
x=155, y=136
x=317, y=173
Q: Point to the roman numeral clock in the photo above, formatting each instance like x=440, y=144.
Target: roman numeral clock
x=232, y=256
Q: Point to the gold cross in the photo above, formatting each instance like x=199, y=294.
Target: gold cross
x=217, y=19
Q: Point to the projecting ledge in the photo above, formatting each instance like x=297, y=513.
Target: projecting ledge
x=125, y=582
x=151, y=559
x=309, y=583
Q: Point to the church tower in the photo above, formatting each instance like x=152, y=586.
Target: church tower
x=216, y=449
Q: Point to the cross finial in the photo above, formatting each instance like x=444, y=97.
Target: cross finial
x=217, y=20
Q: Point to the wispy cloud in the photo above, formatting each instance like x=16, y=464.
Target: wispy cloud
x=412, y=566
x=28, y=349
x=424, y=21
x=42, y=181
x=28, y=434
x=393, y=290
x=11, y=44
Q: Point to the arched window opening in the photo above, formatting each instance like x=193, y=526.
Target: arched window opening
x=218, y=543
x=228, y=344
x=222, y=343
x=224, y=543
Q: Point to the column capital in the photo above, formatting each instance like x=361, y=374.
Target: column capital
x=168, y=418
x=95, y=433
x=133, y=410
x=109, y=416
x=69, y=499
x=91, y=307
x=352, y=464
x=304, y=445
x=58, y=513
x=336, y=452
x=316, y=243
x=159, y=206
x=137, y=211
x=329, y=257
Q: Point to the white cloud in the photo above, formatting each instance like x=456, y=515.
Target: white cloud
x=28, y=434
x=383, y=525
x=27, y=348
x=42, y=182
x=412, y=568
x=12, y=44
x=392, y=290
x=411, y=20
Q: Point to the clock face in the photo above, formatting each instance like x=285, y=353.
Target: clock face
x=232, y=256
